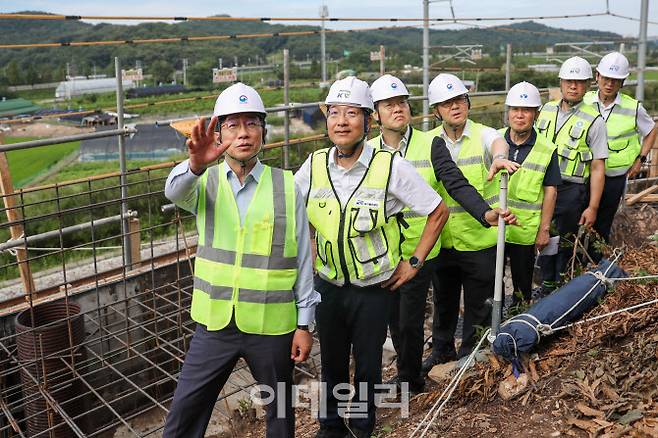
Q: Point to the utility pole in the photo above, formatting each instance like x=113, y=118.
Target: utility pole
x=235, y=64
x=220, y=63
x=642, y=50
x=508, y=73
x=286, y=102
x=185, y=72
x=426, y=61
x=382, y=53
x=324, y=13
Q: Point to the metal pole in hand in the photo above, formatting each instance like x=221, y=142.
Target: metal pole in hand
x=500, y=262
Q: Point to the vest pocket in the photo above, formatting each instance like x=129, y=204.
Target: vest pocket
x=368, y=249
x=618, y=146
x=528, y=185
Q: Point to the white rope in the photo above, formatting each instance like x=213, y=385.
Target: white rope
x=447, y=392
x=605, y=315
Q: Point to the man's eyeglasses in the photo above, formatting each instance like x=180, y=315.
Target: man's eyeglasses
x=459, y=100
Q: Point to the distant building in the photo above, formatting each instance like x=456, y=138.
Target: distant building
x=17, y=107
x=155, y=91
x=79, y=87
x=545, y=68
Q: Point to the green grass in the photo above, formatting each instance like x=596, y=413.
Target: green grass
x=27, y=164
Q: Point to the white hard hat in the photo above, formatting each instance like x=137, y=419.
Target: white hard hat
x=523, y=94
x=238, y=98
x=387, y=86
x=576, y=68
x=444, y=87
x=350, y=91
x=613, y=65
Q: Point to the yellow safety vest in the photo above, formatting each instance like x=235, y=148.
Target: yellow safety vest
x=356, y=243
x=419, y=154
x=246, y=270
x=462, y=232
x=574, y=154
x=525, y=192
x=624, y=143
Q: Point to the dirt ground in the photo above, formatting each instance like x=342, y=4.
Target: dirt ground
x=595, y=380
x=44, y=129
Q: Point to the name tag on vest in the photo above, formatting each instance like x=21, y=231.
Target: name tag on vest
x=366, y=203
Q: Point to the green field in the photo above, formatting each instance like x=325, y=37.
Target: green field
x=27, y=164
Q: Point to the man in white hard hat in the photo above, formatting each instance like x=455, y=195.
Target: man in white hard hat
x=253, y=294
x=432, y=161
x=631, y=135
x=578, y=131
x=532, y=189
x=354, y=197
x=468, y=249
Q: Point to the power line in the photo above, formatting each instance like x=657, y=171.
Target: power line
x=266, y=19
x=191, y=38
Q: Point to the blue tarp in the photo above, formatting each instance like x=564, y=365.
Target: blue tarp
x=521, y=333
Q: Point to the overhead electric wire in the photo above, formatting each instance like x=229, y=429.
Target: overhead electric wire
x=265, y=19
x=193, y=38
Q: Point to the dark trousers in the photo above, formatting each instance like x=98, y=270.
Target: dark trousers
x=406, y=325
x=522, y=264
x=613, y=190
x=208, y=365
x=475, y=271
x=570, y=204
x=355, y=318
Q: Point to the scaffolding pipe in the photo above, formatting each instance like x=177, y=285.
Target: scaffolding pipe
x=13, y=243
x=66, y=139
x=426, y=60
x=642, y=50
x=127, y=253
x=286, y=102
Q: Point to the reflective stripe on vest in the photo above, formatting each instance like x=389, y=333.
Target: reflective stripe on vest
x=462, y=231
x=246, y=271
x=525, y=193
x=419, y=154
x=574, y=154
x=624, y=142
x=356, y=244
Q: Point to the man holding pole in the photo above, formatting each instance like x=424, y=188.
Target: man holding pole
x=468, y=252
x=532, y=189
x=432, y=161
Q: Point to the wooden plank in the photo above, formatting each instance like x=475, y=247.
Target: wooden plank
x=653, y=160
x=647, y=198
x=636, y=197
x=14, y=214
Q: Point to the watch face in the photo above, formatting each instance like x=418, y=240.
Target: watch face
x=413, y=261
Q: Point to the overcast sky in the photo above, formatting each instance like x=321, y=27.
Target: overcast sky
x=363, y=8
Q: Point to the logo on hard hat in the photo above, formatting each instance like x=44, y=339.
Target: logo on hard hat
x=523, y=96
x=449, y=86
x=243, y=99
x=394, y=85
x=575, y=70
x=614, y=68
x=343, y=94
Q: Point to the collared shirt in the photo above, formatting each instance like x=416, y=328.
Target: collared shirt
x=519, y=152
x=402, y=147
x=406, y=187
x=597, y=135
x=182, y=189
x=643, y=120
x=488, y=137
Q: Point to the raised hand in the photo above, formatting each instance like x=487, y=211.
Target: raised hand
x=203, y=147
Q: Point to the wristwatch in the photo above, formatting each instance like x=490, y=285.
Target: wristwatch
x=302, y=327
x=643, y=159
x=415, y=262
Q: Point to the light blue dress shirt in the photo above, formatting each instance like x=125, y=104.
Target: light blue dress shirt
x=182, y=189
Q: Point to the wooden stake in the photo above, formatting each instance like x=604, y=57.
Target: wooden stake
x=13, y=215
